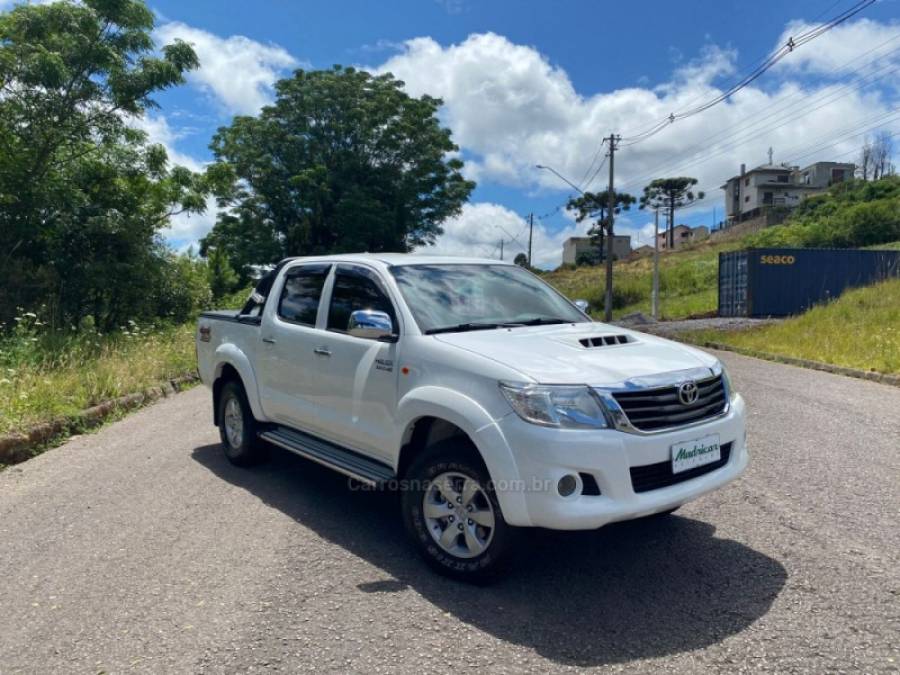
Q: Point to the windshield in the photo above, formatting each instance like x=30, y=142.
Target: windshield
x=445, y=298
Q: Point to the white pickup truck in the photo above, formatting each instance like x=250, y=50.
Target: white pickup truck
x=488, y=399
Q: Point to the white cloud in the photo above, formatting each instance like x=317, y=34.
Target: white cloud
x=184, y=229
x=187, y=229
x=510, y=108
x=9, y=4
x=477, y=231
x=238, y=71
x=159, y=131
x=846, y=42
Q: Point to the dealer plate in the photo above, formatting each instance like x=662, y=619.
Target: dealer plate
x=691, y=454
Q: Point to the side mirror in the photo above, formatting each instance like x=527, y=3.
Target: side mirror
x=371, y=324
x=582, y=305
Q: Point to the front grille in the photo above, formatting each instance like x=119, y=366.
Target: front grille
x=653, y=409
x=659, y=475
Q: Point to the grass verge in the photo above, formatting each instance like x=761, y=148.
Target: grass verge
x=861, y=330
x=49, y=374
x=688, y=283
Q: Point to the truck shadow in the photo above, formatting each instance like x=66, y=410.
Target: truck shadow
x=628, y=591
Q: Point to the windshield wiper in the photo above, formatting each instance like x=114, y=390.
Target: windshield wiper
x=543, y=321
x=463, y=327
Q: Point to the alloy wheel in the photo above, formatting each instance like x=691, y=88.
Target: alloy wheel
x=458, y=515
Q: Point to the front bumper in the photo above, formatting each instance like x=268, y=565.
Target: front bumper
x=544, y=455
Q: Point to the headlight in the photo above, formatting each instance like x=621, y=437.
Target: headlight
x=566, y=407
x=726, y=378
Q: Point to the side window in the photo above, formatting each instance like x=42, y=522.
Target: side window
x=301, y=292
x=355, y=290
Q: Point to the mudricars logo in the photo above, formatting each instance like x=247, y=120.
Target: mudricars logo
x=696, y=451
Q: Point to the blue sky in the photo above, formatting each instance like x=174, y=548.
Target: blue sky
x=528, y=82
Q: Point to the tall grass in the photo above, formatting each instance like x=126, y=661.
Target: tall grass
x=45, y=374
x=688, y=283
x=860, y=329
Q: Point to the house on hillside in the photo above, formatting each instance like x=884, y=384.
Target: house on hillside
x=683, y=235
x=752, y=192
x=575, y=247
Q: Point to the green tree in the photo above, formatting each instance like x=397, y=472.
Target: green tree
x=342, y=161
x=670, y=194
x=596, y=205
x=223, y=280
x=83, y=195
x=521, y=260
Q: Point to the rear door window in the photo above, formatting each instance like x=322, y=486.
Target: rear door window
x=299, y=302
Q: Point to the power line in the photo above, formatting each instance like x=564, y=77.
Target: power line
x=792, y=44
x=810, y=150
x=825, y=98
x=591, y=166
x=596, y=173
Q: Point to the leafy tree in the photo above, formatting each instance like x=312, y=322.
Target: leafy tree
x=521, y=260
x=181, y=286
x=83, y=195
x=596, y=205
x=670, y=194
x=223, y=280
x=342, y=161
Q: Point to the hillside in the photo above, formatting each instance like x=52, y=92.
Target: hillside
x=688, y=282
x=853, y=214
x=821, y=334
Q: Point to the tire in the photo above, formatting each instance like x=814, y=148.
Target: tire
x=238, y=428
x=452, y=469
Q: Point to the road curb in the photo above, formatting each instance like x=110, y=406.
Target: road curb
x=881, y=378
x=18, y=447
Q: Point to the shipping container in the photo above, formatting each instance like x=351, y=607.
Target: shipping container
x=784, y=281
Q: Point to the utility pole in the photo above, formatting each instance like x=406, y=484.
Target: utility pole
x=530, y=236
x=607, y=305
x=654, y=298
x=501, y=248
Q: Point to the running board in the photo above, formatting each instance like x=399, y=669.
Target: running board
x=347, y=462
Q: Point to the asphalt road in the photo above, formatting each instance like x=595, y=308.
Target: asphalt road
x=139, y=548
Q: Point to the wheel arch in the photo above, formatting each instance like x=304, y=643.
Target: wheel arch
x=233, y=365
x=430, y=414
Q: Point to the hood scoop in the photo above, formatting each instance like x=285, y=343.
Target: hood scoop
x=604, y=341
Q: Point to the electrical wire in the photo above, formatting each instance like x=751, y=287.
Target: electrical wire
x=749, y=133
x=595, y=174
x=806, y=152
x=792, y=44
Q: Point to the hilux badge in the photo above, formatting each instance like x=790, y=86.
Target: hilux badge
x=688, y=393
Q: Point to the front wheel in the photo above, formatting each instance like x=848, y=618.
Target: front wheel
x=452, y=514
x=237, y=427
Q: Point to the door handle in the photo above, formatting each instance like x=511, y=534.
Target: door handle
x=322, y=351
x=269, y=340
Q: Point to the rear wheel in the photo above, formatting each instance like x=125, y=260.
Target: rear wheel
x=238, y=428
x=452, y=514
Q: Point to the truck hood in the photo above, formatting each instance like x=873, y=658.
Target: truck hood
x=584, y=353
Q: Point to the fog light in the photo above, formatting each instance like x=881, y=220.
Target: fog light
x=566, y=485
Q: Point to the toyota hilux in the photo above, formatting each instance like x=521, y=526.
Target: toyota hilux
x=486, y=398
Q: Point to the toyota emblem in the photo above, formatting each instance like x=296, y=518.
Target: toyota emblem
x=688, y=393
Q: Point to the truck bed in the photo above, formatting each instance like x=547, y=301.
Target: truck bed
x=230, y=315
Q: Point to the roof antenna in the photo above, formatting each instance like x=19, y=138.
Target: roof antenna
x=770, y=155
